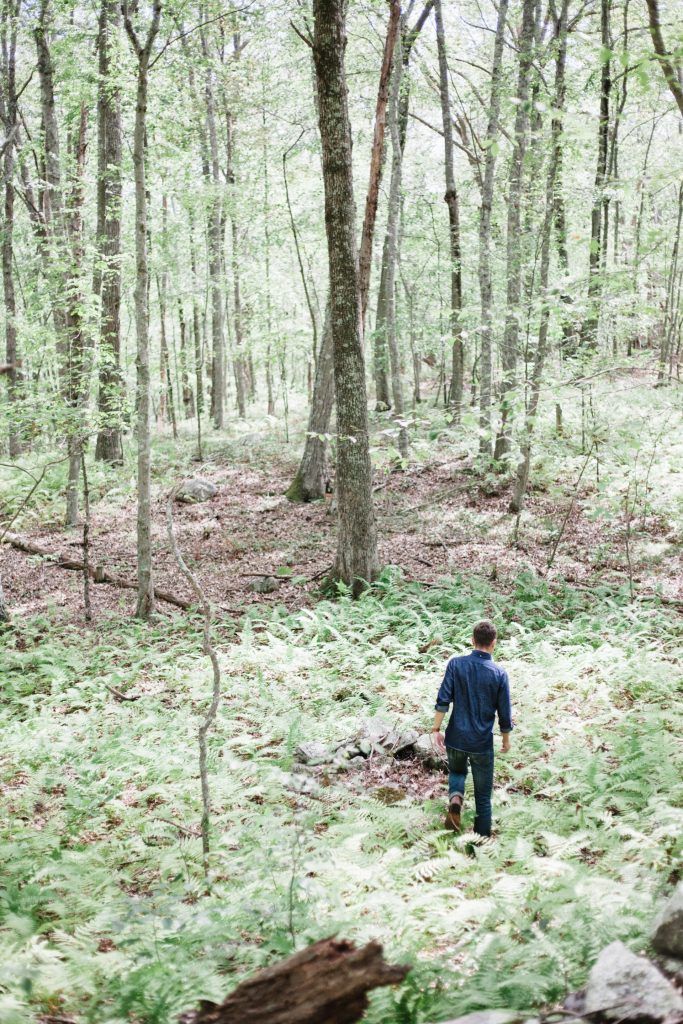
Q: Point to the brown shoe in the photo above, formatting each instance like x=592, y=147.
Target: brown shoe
x=452, y=822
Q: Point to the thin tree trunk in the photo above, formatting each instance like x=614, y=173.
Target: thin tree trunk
x=365, y=252
x=485, y=277
x=8, y=31
x=312, y=480
x=393, y=250
x=380, y=352
x=515, y=247
x=589, y=329
x=107, y=283
x=451, y=199
x=212, y=175
x=356, y=562
x=145, y=602
x=523, y=468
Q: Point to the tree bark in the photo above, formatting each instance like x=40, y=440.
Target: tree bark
x=326, y=983
x=451, y=199
x=145, y=602
x=485, y=278
x=356, y=562
x=107, y=283
x=243, y=378
x=515, y=246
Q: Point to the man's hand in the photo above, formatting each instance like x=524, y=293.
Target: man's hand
x=506, y=743
x=438, y=740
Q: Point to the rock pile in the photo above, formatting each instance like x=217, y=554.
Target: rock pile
x=372, y=738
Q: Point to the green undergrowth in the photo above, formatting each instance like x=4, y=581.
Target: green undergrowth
x=104, y=913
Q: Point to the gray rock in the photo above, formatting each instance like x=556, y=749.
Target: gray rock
x=488, y=1017
x=264, y=585
x=426, y=751
x=365, y=748
x=196, y=489
x=625, y=987
x=357, y=762
x=314, y=752
x=667, y=932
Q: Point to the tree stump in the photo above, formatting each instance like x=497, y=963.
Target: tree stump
x=327, y=983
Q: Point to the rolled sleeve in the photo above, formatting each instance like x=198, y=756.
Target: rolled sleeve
x=504, y=707
x=444, y=697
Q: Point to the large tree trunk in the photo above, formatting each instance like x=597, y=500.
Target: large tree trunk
x=485, y=277
x=523, y=468
x=356, y=561
x=312, y=470
x=515, y=246
x=326, y=983
x=145, y=602
x=108, y=275
x=10, y=13
x=451, y=198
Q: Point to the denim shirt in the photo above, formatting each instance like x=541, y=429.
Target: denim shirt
x=478, y=689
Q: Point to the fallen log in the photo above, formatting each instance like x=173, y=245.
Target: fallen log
x=96, y=572
x=326, y=983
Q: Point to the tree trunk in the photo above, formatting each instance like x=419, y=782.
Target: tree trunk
x=356, y=561
x=241, y=367
x=451, y=198
x=515, y=246
x=145, y=602
x=212, y=174
x=380, y=352
x=392, y=251
x=365, y=252
x=10, y=13
x=671, y=68
x=523, y=468
x=326, y=983
x=107, y=283
x=485, y=279
x=589, y=329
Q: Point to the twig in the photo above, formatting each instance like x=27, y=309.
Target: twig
x=121, y=696
x=209, y=650
x=181, y=828
x=560, y=532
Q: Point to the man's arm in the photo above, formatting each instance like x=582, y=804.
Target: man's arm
x=504, y=709
x=443, y=701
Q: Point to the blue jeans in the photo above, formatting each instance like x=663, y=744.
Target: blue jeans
x=482, y=777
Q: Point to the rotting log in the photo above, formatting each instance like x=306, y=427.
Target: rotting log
x=96, y=572
x=326, y=983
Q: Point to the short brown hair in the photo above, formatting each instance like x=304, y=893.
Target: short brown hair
x=484, y=633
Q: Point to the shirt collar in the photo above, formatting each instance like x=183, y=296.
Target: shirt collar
x=482, y=654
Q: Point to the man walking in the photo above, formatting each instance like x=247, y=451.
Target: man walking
x=478, y=689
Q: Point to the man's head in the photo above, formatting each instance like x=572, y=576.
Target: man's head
x=484, y=635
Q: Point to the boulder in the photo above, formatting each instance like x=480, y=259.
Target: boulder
x=426, y=751
x=667, y=932
x=314, y=752
x=264, y=585
x=195, y=490
x=628, y=988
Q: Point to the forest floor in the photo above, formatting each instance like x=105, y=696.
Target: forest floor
x=105, y=915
